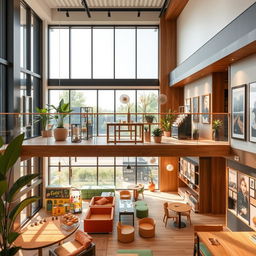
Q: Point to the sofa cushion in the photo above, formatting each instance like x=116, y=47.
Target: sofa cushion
x=146, y=226
x=102, y=201
x=83, y=238
x=67, y=249
x=100, y=216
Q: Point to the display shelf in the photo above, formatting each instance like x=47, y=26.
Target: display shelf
x=188, y=184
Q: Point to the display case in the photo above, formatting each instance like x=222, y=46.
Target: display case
x=181, y=128
x=86, y=122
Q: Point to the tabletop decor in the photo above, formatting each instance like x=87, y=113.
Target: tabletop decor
x=44, y=117
x=157, y=134
x=125, y=99
x=8, y=196
x=76, y=133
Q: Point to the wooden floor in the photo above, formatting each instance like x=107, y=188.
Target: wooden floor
x=168, y=241
x=98, y=146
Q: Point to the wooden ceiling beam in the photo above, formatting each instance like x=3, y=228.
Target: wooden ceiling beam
x=175, y=8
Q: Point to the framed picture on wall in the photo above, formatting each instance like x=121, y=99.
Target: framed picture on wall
x=188, y=105
x=232, y=179
x=206, y=108
x=252, y=183
x=243, y=197
x=196, y=109
x=238, y=112
x=253, y=216
x=252, y=95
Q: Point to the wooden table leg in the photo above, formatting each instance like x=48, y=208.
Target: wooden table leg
x=40, y=252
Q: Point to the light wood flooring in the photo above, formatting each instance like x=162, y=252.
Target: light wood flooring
x=168, y=241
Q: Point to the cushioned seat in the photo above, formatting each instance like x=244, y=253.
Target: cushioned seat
x=125, y=233
x=147, y=227
x=67, y=248
x=203, y=250
x=99, y=201
x=141, y=211
x=140, y=203
x=125, y=195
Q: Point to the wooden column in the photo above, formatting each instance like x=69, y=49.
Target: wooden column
x=168, y=181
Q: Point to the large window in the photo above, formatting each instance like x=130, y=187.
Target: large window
x=83, y=171
x=117, y=52
x=107, y=104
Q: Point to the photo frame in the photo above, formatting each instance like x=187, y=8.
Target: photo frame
x=188, y=105
x=243, y=205
x=252, y=183
x=252, y=192
x=196, y=109
x=206, y=108
x=238, y=112
x=232, y=179
x=252, y=115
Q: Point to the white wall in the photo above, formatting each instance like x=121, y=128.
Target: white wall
x=202, y=19
x=243, y=72
x=198, y=88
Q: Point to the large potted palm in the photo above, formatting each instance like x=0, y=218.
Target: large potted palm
x=62, y=110
x=10, y=203
x=166, y=123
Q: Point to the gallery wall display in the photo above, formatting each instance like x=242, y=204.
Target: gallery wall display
x=252, y=122
x=206, y=108
x=188, y=105
x=238, y=112
x=196, y=109
x=242, y=196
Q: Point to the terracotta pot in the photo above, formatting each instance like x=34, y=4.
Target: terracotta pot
x=60, y=134
x=46, y=133
x=158, y=139
x=147, y=136
x=167, y=133
x=151, y=187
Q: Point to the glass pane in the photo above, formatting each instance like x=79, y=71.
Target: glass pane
x=56, y=95
x=82, y=176
x=56, y=160
x=125, y=161
x=81, y=53
x=125, y=53
x=23, y=36
x=103, y=53
x=106, y=160
x=59, y=52
x=144, y=172
x=106, y=176
x=60, y=178
x=3, y=21
x=83, y=161
x=147, y=53
x=147, y=160
x=125, y=177
x=24, y=212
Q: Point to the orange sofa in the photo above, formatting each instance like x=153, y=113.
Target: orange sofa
x=110, y=203
x=99, y=220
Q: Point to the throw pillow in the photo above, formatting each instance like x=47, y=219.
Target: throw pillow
x=102, y=201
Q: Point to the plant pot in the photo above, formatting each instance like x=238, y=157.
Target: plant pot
x=60, y=134
x=147, y=136
x=216, y=135
x=149, y=120
x=151, y=186
x=167, y=133
x=46, y=133
x=157, y=139
x=195, y=135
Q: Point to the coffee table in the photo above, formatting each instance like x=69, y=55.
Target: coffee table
x=43, y=235
x=126, y=208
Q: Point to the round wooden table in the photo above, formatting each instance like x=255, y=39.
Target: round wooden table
x=43, y=235
x=179, y=208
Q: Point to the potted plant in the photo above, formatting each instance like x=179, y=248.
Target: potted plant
x=166, y=123
x=216, y=125
x=151, y=185
x=195, y=134
x=62, y=110
x=157, y=133
x=147, y=134
x=149, y=119
x=11, y=204
x=45, y=118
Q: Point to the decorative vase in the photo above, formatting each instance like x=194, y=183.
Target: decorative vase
x=157, y=139
x=167, y=133
x=151, y=186
x=216, y=135
x=147, y=136
x=46, y=133
x=60, y=134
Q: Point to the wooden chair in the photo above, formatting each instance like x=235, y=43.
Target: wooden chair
x=187, y=214
x=125, y=195
x=147, y=227
x=125, y=233
x=203, y=228
x=141, y=190
x=168, y=215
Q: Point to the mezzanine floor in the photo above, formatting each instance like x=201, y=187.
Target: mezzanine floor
x=168, y=241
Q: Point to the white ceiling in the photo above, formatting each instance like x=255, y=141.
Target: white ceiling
x=105, y=3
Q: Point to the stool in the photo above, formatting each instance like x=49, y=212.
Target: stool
x=141, y=211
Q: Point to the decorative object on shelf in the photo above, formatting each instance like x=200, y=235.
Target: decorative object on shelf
x=206, y=108
x=62, y=110
x=76, y=133
x=195, y=134
x=149, y=119
x=162, y=99
x=169, y=167
x=152, y=160
x=157, y=134
x=151, y=185
x=147, y=135
x=86, y=120
x=238, y=112
x=9, y=195
x=252, y=93
x=44, y=117
x=125, y=99
x=216, y=125
x=196, y=109
x=167, y=121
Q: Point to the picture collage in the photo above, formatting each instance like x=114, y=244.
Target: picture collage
x=242, y=196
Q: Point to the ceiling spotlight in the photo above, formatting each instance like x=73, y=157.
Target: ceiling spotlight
x=109, y=14
x=67, y=14
x=138, y=15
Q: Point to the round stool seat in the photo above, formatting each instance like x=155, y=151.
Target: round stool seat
x=127, y=229
x=141, y=211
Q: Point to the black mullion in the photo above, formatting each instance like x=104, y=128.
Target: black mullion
x=91, y=52
x=97, y=109
x=69, y=48
x=69, y=97
x=136, y=167
x=114, y=105
x=136, y=55
x=114, y=52
x=28, y=38
x=69, y=173
x=114, y=171
x=97, y=171
x=136, y=105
